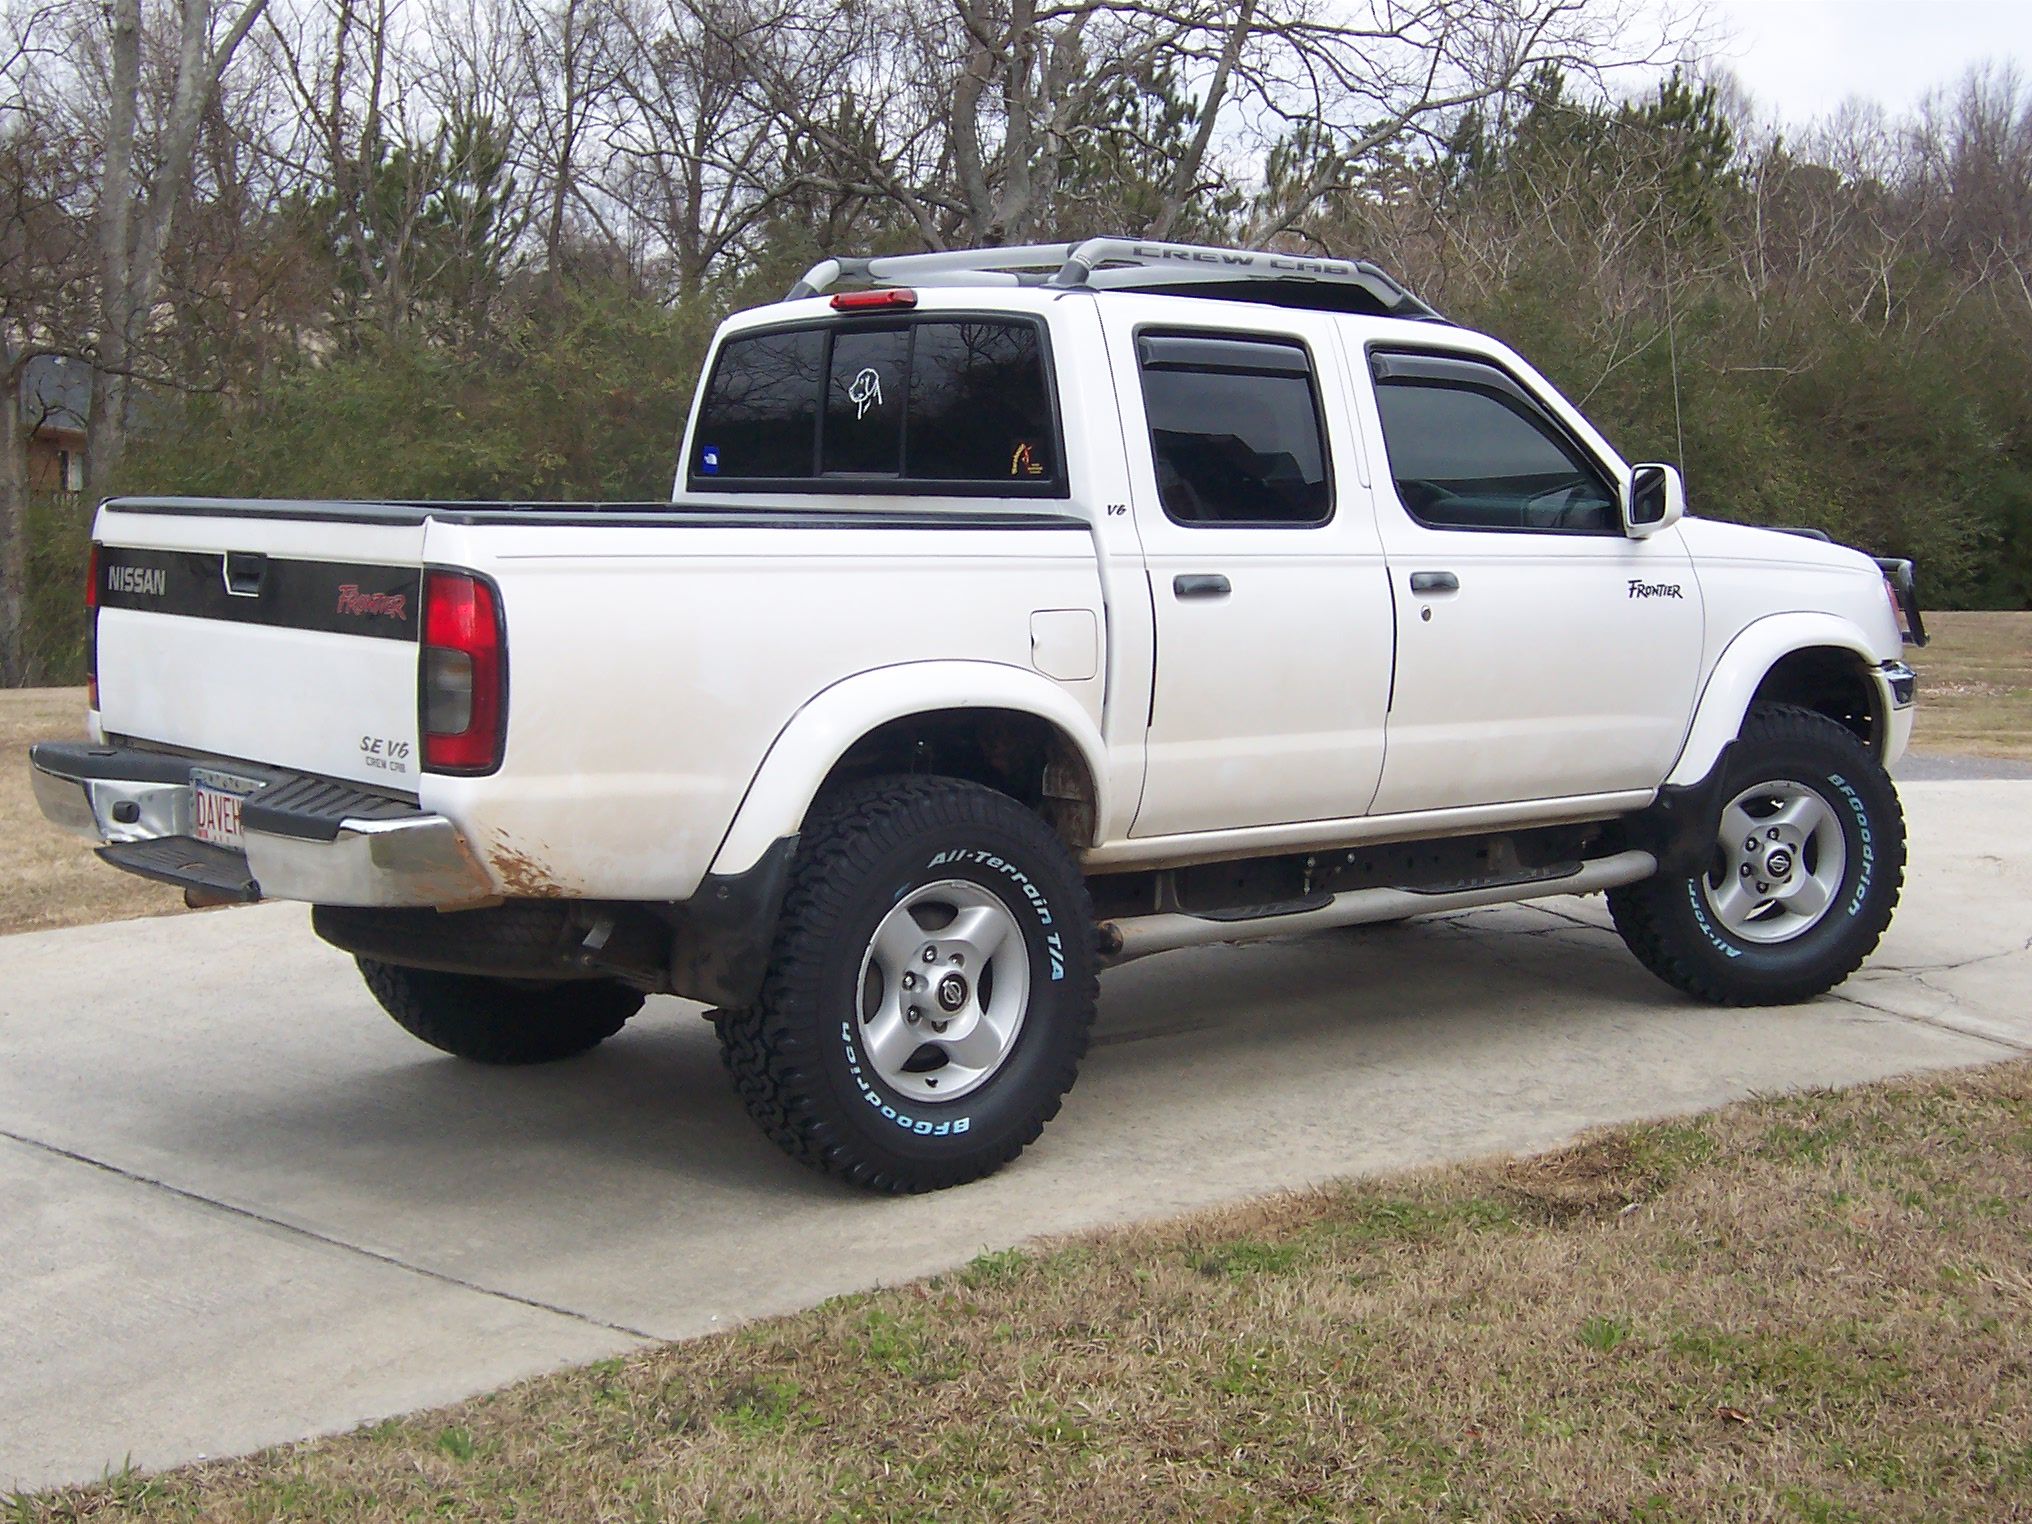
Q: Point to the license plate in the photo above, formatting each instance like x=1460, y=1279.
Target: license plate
x=215, y=807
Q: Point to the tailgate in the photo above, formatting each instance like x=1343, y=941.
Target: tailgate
x=261, y=633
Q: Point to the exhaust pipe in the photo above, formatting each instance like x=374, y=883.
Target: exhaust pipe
x=1139, y=936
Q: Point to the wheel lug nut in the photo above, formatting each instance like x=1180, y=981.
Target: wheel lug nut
x=910, y=980
x=958, y=961
x=1750, y=845
x=1772, y=834
x=1746, y=874
x=914, y=1015
x=930, y=954
x=1763, y=888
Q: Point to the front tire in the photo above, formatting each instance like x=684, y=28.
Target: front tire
x=1806, y=869
x=930, y=992
x=500, y=1021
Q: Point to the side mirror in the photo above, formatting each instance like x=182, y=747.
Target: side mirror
x=1654, y=500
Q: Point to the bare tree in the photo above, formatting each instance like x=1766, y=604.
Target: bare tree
x=135, y=221
x=980, y=106
x=694, y=163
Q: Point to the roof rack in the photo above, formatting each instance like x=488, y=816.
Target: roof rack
x=1148, y=265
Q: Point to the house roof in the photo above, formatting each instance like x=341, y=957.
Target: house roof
x=56, y=392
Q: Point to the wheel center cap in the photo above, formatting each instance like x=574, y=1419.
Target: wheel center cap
x=1778, y=862
x=952, y=992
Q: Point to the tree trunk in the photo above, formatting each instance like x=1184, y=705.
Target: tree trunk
x=105, y=431
x=567, y=146
x=1185, y=175
x=106, y=425
x=134, y=231
x=13, y=529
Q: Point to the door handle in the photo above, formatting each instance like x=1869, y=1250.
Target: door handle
x=1201, y=585
x=1434, y=582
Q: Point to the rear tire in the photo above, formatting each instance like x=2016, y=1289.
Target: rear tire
x=1805, y=872
x=500, y=1021
x=930, y=990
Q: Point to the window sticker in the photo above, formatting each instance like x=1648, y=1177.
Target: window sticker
x=866, y=392
x=709, y=460
x=1024, y=461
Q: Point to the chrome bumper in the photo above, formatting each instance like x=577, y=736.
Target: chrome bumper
x=1898, y=688
x=125, y=798
x=1901, y=683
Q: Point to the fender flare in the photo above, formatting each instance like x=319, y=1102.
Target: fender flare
x=1743, y=665
x=823, y=731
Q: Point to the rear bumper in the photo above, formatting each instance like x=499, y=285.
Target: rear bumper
x=306, y=838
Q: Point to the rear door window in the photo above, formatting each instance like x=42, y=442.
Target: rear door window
x=1236, y=432
x=931, y=404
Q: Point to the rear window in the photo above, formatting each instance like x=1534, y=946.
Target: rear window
x=927, y=404
x=762, y=411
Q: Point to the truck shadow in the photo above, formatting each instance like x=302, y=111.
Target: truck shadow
x=652, y=1111
x=630, y=1186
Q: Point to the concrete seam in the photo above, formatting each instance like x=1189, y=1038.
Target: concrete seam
x=1933, y=1022
x=299, y=1231
x=1919, y=969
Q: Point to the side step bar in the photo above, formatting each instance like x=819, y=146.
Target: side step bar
x=1139, y=936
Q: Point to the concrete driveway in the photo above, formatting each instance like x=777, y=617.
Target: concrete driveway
x=238, y=1206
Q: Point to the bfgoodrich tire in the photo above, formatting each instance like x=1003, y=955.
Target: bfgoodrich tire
x=931, y=988
x=500, y=1021
x=1804, y=874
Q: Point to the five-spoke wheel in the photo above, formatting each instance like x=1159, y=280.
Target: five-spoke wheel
x=1780, y=862
x=945, y=985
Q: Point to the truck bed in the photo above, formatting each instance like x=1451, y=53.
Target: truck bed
x=654, y=652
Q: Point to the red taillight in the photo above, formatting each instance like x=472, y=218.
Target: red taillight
x=92, y=630
x=463, y=676
x=864, y=301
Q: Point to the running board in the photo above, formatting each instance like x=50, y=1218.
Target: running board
x=1139, y=936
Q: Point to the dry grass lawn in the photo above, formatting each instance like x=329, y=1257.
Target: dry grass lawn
x=49, y=877
x=1975, y=686
x=1811, y=1308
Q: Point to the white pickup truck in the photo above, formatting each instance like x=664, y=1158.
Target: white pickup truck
x=1014, y=614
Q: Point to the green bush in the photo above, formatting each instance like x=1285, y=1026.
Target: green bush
x=53, y=618
x=1907, y=444
x=585, y=400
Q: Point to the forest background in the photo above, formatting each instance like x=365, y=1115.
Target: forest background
x=476, y=248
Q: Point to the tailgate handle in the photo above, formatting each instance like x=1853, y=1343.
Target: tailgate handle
x=244, y=573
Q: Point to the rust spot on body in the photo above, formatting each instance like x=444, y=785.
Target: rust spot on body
x=522, y=876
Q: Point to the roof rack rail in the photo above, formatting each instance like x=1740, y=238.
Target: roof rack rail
x=1149, y=265
x=1034, y=260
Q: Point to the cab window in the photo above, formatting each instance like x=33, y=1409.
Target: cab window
x=1469, y=449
